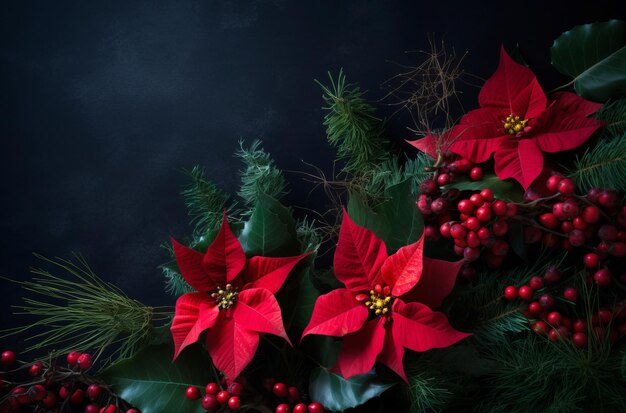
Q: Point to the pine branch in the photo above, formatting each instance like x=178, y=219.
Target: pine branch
x=392, y=172
x=308, y=237
x=205, y=201
x=351, y=126
x=175, y=284
x=614, y=114
x=603, y=166
x=260, y=174
x=77, y=311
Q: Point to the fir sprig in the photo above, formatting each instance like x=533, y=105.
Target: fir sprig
x=351, y=126
x=614, y=114
x=205, y=201
x=260, y=174
x=77, y=311
x=392, y=171
x=602, y=166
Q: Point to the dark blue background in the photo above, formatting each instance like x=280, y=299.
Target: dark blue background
x=103, y=103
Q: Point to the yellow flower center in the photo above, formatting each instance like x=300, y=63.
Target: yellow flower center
x=514, y=125
x=226, y=297
x=379, y=301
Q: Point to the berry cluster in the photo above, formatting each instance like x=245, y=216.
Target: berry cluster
x=292, y=396
x=44, y=386
x=216, y=397
x=551, y=311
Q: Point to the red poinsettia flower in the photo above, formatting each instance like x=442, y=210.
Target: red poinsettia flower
x=375, y=322
x=517, y=123
x=234, y=300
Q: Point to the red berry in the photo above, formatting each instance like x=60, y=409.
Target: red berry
x=209, y=403
x=605, y=316
x=428, y=187
x=94, y=391
x=77, y=397
x=72, y=358
x=457, y=231
x=37, y=392
x=618, y=249
x=64, y=392
x=471, y=254
x=579, y=340
x=554, y=335
x=602, y=277
x=50, y=400
x=444, y=229
x=591, y=260
x=608, y=199
x=552, y=275
x=465, y=206
x=483, y=233
x=280, y=390
x=294, y=394
x=461, y=165
x=484, y=214
x=109, y=409
x=500, y=228
x=36, y=368
x=192, y=393
x=591, y=214
x=552, y=183
x=283, y=408
x=500, y=248
x=223, y=396
x=132, y=410
x=316, y=407
x=212, y=388
x=443, y=179
x=534, y=308
x=473, y=224
x=554, y=318
x=84, y=361
x=548, y=220
x=531, y=194
x=580, y=326
x=439, y=206
x=540, y=327
x=499, y=208
x=487, y=195
x=566, y=187
x=607, y=233
x=570, y=209
x=236, y=389
x=579, y=223
x=525, y=293
x=234, y=403
x=536, y=283
x=300, y=408
x=570, y=294
x=577, y=238
x=7, y=357
x=92, y=408
x=476, y=174
x=546, y=301
x=510, y=292
x=476, y=200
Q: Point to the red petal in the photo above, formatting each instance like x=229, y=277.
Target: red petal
x=437, y=281
x=231, y=346
x=514, y=88
x=358, y=257
x=402, y=270
x=336, y=314
x=195, y=312
x=574, y=104
x=224, y=258
x=392, y=353
x=190, y=265
x=257, y=310
x=519, y=159
x=427, y=144
x=360, y=349
x=558, y=131
x=478, y=135
x=419, y=328
x=269, y=273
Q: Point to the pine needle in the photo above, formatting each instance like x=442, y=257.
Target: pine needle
x=205, y=201
x=351, y=126
x=614, y=114
x=260, y=174
x=602, y=166
x=77, y=311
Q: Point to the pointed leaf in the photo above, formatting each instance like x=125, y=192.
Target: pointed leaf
x=336, y=314
x=508, y=190
x=478, y=134
x=594, y=55
x=521, y=160
x=358, y=257
x=305, y=302
x=560, y=131
x=153, y=384
x=270, y=231
x=231, y=346
x=402, y=270
x=270, y=272
x=189, y=262
x=224, y=259
x=437, y=281
x=195, y=312
x=339, y=394
x=361, y=348
x=393, y=352
x=257, y=310
x=419, y=328
x=428, y=144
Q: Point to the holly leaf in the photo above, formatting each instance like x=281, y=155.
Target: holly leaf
x=339, y=394
x=595, y=56
x=270, y=231
x=153, y=384
x=507, y=190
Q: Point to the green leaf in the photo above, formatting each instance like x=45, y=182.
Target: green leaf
x=595, y=56
x=306, y=297
x=154, y=384
x=516, y=239
x=339, y=394
x=508, y=189
x=270, y=231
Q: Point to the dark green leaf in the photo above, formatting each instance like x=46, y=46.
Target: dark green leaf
x=155, y=384
x=508, y=189
x=364, y=216
x=270, y=231
x=516, y=239
x=339, y=394
x=306, y=297
x=325, y=281
x=595, y=56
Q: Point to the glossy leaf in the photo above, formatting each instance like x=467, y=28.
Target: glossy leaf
x=153, y=384
x=339, y=394
x=502, y=189
x=595, y=56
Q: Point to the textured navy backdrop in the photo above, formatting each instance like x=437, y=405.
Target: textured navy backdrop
x=103, y=103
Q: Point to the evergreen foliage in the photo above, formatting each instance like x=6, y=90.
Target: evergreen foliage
x=175, y=284
x=602, y=166
x=392, y=171
x=308, y=238
x=205, y=201
x=614, y=114
x=351, y=126
x=260, y=174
